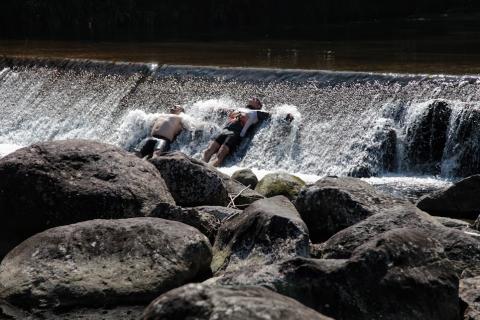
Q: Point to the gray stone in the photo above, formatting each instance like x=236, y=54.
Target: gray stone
x=460, y=201
x=401, y=274
x=243, y=196
x=103, y=262
x=246, y=177
x=267, y=231
x=191, y=182
x=200, y=302
x=470, y=295
x=455, y=224
x=334, y=203
x=62, y=182
x=280, y=183
x=462, y=248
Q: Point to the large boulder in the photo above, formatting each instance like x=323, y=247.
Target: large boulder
x=335, y=203
x=194, y=183
x=246, y=177
x=460, y=201
x=267, y=231
x=191, y=182
x=470, y=295
x=103, y=262
x=62, y=182
x=401, y=274
x=280, y=183
x=425, y=138
x=201, y=302
x=462, y=248
x=207, y=219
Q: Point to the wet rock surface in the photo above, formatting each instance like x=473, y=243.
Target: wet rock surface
x=103, y=262
x=458, y=201
x=335, y=203
x=191, y=182
x=246, y=177
x=62, y=182
x=401, y=274
x=267, y=231
x=426, y=138
x=200, y=302
x=280, y=183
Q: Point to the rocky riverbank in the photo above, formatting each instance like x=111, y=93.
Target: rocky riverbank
x=89, y=231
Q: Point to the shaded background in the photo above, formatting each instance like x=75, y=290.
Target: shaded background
x=148, y=20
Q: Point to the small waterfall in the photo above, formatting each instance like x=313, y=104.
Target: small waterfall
x=359, y=124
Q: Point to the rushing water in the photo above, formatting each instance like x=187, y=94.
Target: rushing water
x=346, y=123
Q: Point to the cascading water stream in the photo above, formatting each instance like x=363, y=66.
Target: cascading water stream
x=345, y=123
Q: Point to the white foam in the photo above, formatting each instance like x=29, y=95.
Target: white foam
x=6, y=148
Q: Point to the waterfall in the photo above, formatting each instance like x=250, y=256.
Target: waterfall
x=346, y=123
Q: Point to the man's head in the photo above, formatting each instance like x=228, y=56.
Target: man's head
x=254, y=103
x=177, y=109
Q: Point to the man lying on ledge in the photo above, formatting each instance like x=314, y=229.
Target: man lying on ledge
x=237, y=126
x=165, y=129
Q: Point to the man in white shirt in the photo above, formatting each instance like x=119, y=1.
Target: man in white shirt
x=235, y=130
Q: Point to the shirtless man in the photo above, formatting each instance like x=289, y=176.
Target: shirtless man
x=236, y=128
x=164, y=131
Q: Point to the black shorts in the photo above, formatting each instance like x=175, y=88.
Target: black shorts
x=229, y=138
x=152, y=144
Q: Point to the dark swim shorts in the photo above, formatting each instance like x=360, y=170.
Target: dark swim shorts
x=229, y=138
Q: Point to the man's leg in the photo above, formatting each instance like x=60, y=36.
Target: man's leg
x=211, y=150
x=222, y=153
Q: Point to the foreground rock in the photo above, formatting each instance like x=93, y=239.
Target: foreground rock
x=470, y=295
x=460, y=201
x=246, y=177
x=103, y=262
x=191, y=182
x=401, y=274
x=207, y=219
x=462, y=248
x=267, y=231
x=62, y=182
x=194, y=183
x=122, y=312
x=280, y=183
x=333, y=204
x=209, y=303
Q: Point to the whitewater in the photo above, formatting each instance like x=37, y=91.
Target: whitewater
x=346, y=123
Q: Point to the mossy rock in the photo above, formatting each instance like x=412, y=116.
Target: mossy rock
x=280, y=183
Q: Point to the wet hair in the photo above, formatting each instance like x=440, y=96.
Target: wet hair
x=177, y=108
x=260, y=105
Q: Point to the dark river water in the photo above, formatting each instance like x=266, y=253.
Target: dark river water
x=455, y=54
